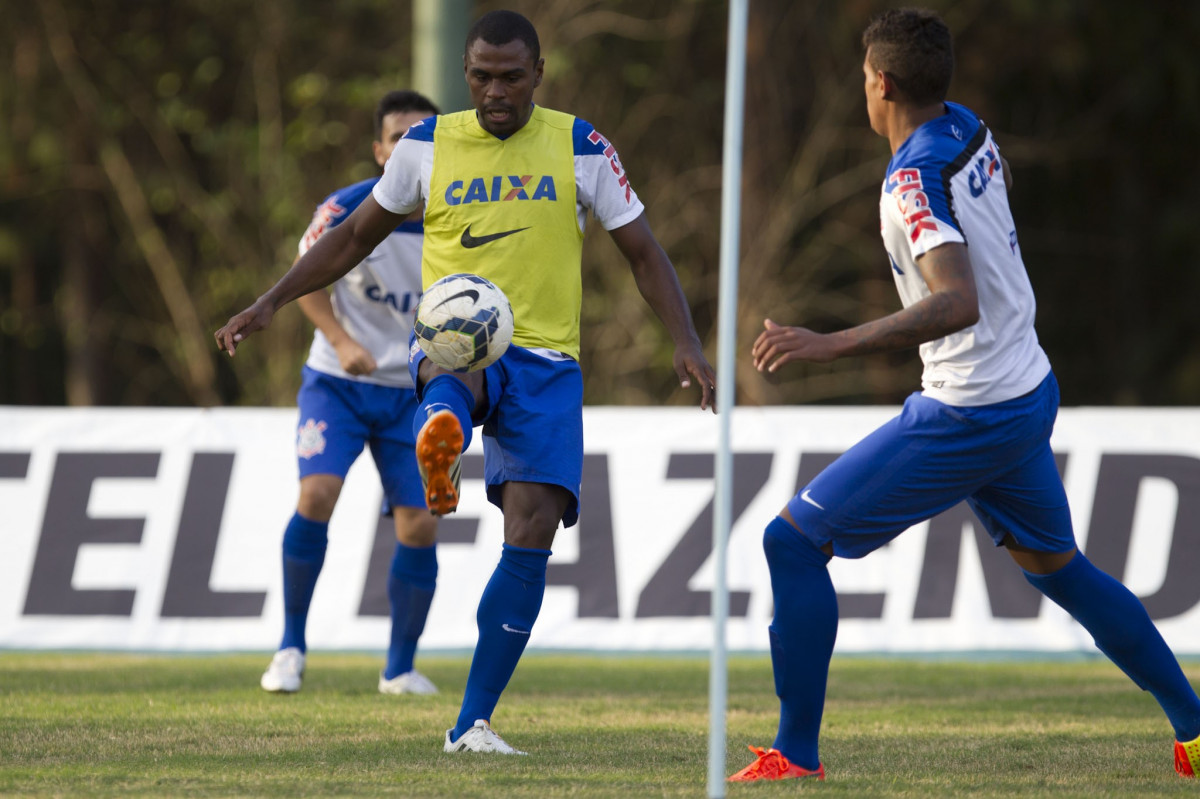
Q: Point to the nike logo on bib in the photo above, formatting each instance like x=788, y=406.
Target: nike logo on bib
x=470, y=241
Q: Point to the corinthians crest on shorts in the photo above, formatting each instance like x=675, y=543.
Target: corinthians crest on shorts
x=310, y=438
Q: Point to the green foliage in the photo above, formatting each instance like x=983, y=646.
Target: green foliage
x=158, y=162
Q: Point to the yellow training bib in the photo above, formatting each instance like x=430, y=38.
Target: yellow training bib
x=505, y=209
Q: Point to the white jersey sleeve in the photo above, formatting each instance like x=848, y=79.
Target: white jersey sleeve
x=601, y=184
x=405, y=181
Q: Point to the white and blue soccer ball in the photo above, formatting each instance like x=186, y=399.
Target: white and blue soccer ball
x=464, y=323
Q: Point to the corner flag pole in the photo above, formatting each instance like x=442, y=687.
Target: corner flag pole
x=731, y=182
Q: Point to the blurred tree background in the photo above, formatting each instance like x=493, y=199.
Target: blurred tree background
x=159, y=161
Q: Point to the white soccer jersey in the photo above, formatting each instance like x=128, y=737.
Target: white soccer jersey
x=376, y=301
x=945, y=184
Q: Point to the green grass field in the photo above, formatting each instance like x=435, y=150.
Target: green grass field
x=129, y=725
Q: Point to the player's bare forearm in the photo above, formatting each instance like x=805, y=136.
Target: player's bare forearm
x=317, y=268
x=952, y=305
x=333, y=255
x=927, y=320
x=353, y=357
x=318, y=309
x=656, y=279
x=934, y=317
x=688, y=359
x=659, y=286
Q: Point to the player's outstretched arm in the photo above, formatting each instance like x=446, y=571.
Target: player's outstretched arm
x=659, y=286
x=354, y=358
x=334, y=254
x=952, y=305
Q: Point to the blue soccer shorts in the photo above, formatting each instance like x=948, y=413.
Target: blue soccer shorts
x=933, y=456
x=533, y=423
x=339, y=416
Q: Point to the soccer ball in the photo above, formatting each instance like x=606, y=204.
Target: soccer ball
x=464, y=323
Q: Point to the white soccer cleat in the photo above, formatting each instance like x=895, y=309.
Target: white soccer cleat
x=285, y=672
x=480, y=738
x=410, y=682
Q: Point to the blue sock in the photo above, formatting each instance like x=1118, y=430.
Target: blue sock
x=446, y=392
x=1123, y=630
x=304, y=544
x=802, y=636
x=411, y=581
x=507, y=610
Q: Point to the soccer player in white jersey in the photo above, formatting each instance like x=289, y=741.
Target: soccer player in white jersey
x=980, y=429
x=506, y=188
x=356, y=390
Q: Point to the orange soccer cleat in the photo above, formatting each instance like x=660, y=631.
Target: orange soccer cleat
x=772, y=765
x=1187, y=758
x=439, y=460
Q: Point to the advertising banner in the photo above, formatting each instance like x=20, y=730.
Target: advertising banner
x=160, y=529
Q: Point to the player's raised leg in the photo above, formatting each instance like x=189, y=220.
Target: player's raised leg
x=443, y=426
x=441, y=439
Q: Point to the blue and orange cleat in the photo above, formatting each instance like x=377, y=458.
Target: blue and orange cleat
x=1187, y=758
x=772, y=765
x=439, y=460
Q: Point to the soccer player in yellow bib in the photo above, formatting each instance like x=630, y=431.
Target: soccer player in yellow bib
x=506, y=189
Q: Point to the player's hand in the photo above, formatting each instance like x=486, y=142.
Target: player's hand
x=354, y=357
x=254, y=318
x=690, y=364
x=778, y=345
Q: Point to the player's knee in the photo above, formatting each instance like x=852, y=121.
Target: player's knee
x=532, y=512
x=415, y=527
x=318, y=496
x=1035, y=561
x=783, y=542
x=532, y=530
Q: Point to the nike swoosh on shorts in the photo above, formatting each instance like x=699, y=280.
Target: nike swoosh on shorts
x=806, y=498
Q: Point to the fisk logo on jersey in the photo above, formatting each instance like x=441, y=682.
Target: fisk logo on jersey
x=322, y=220
x=614, y=162
x=913, y=201
x=985, y=167
x=500, y=188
